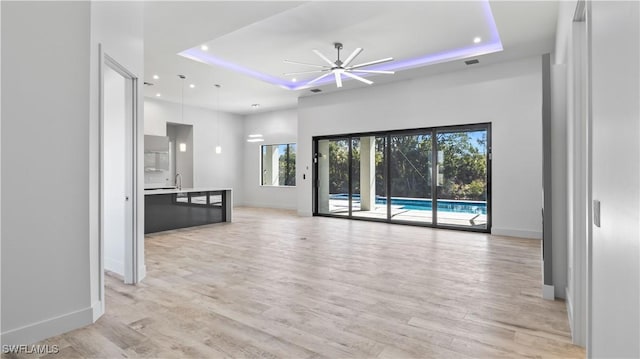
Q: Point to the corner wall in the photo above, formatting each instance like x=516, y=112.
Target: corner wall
x=615, y=112
x=509, y=95
x=277, y=127
x=45, y=169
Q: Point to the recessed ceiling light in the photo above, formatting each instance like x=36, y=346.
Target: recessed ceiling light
x=158, y=94
x=255, y=105
x=204, y=47
x=477, y=39
x=156, y=77
x=192, y=86
x=255, y=135
x=255, y=140
x=294, y=80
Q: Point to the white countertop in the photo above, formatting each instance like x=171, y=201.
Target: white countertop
x=148, y=192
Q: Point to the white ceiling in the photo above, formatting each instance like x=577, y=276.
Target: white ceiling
x=258, y=36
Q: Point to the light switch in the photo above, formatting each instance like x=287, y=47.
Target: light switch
x=596, y=213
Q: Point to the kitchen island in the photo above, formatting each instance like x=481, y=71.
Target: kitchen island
x=166, y=209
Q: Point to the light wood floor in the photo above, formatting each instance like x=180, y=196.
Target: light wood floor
x=274, y=285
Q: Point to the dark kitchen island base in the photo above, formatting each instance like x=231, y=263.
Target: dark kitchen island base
x=172, y=209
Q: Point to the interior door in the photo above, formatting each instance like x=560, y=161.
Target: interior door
x=118, y=170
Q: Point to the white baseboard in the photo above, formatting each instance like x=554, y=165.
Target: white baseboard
x=97, y=310
x=305, y=213
x=270, y=205
x=569, y=302
x=548, y=292
x=142, y=272
x=113, y=265
x=36, y=332
x=509, y=232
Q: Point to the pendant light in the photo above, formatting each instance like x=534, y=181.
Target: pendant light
x=218, y=147
x=182, y=146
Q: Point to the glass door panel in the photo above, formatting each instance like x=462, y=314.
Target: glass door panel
x=369, y=178
x=333, y=177
x=462, y=178
x=355, y=175
x=410, y=176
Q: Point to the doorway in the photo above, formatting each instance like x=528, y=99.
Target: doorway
x=118, y=171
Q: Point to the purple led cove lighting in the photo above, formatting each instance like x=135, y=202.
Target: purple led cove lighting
x=198, y=55
x=490, y=46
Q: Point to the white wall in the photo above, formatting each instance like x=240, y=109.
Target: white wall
x=115, y=173
x=125, y=44
x=509, y=95
x=51, y=244
x=45, y=169
x=209, y=169
x=277, y=127
x=559, y=177
x=570, y=52
x=0, y=168
x=615, y=90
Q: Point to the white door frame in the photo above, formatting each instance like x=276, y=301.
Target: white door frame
x=581, y=179
x=132, y=244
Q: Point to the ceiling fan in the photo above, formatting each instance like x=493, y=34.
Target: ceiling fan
x=338, y=68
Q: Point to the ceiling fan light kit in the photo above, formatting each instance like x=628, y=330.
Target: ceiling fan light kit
x=339, y=68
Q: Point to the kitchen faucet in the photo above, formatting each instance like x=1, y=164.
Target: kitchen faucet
x=178, y=183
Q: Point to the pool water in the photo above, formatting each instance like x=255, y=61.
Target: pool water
x=454, y=206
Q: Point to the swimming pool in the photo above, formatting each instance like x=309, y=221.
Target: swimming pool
x=444, y=205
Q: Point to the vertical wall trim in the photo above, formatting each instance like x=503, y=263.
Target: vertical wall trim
x=547, y=250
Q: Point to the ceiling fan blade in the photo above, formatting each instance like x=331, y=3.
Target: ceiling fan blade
x=305, y=64
x=318, y=78
x=304, y=72
x=353, y=55
x=338, y=79
x=371, y=63
x=324, y=58
x=356, y=77
x=373, y=72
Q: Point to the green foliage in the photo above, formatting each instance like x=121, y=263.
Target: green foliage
x=462, y=166
x=287, y=165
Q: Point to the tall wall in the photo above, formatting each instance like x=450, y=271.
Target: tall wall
x=277, y=127
x=209, y=169
x=509, y=95
x=615, y=114
x=50, y=261
x=124, y=44
x=570, y=56
x=45, y=169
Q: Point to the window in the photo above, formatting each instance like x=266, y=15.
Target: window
x=278, y=165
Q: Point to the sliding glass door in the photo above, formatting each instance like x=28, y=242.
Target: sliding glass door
x=462, y=178
x=434, y=177
x=410, y=176
x=333, y=176
x=368, y=199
